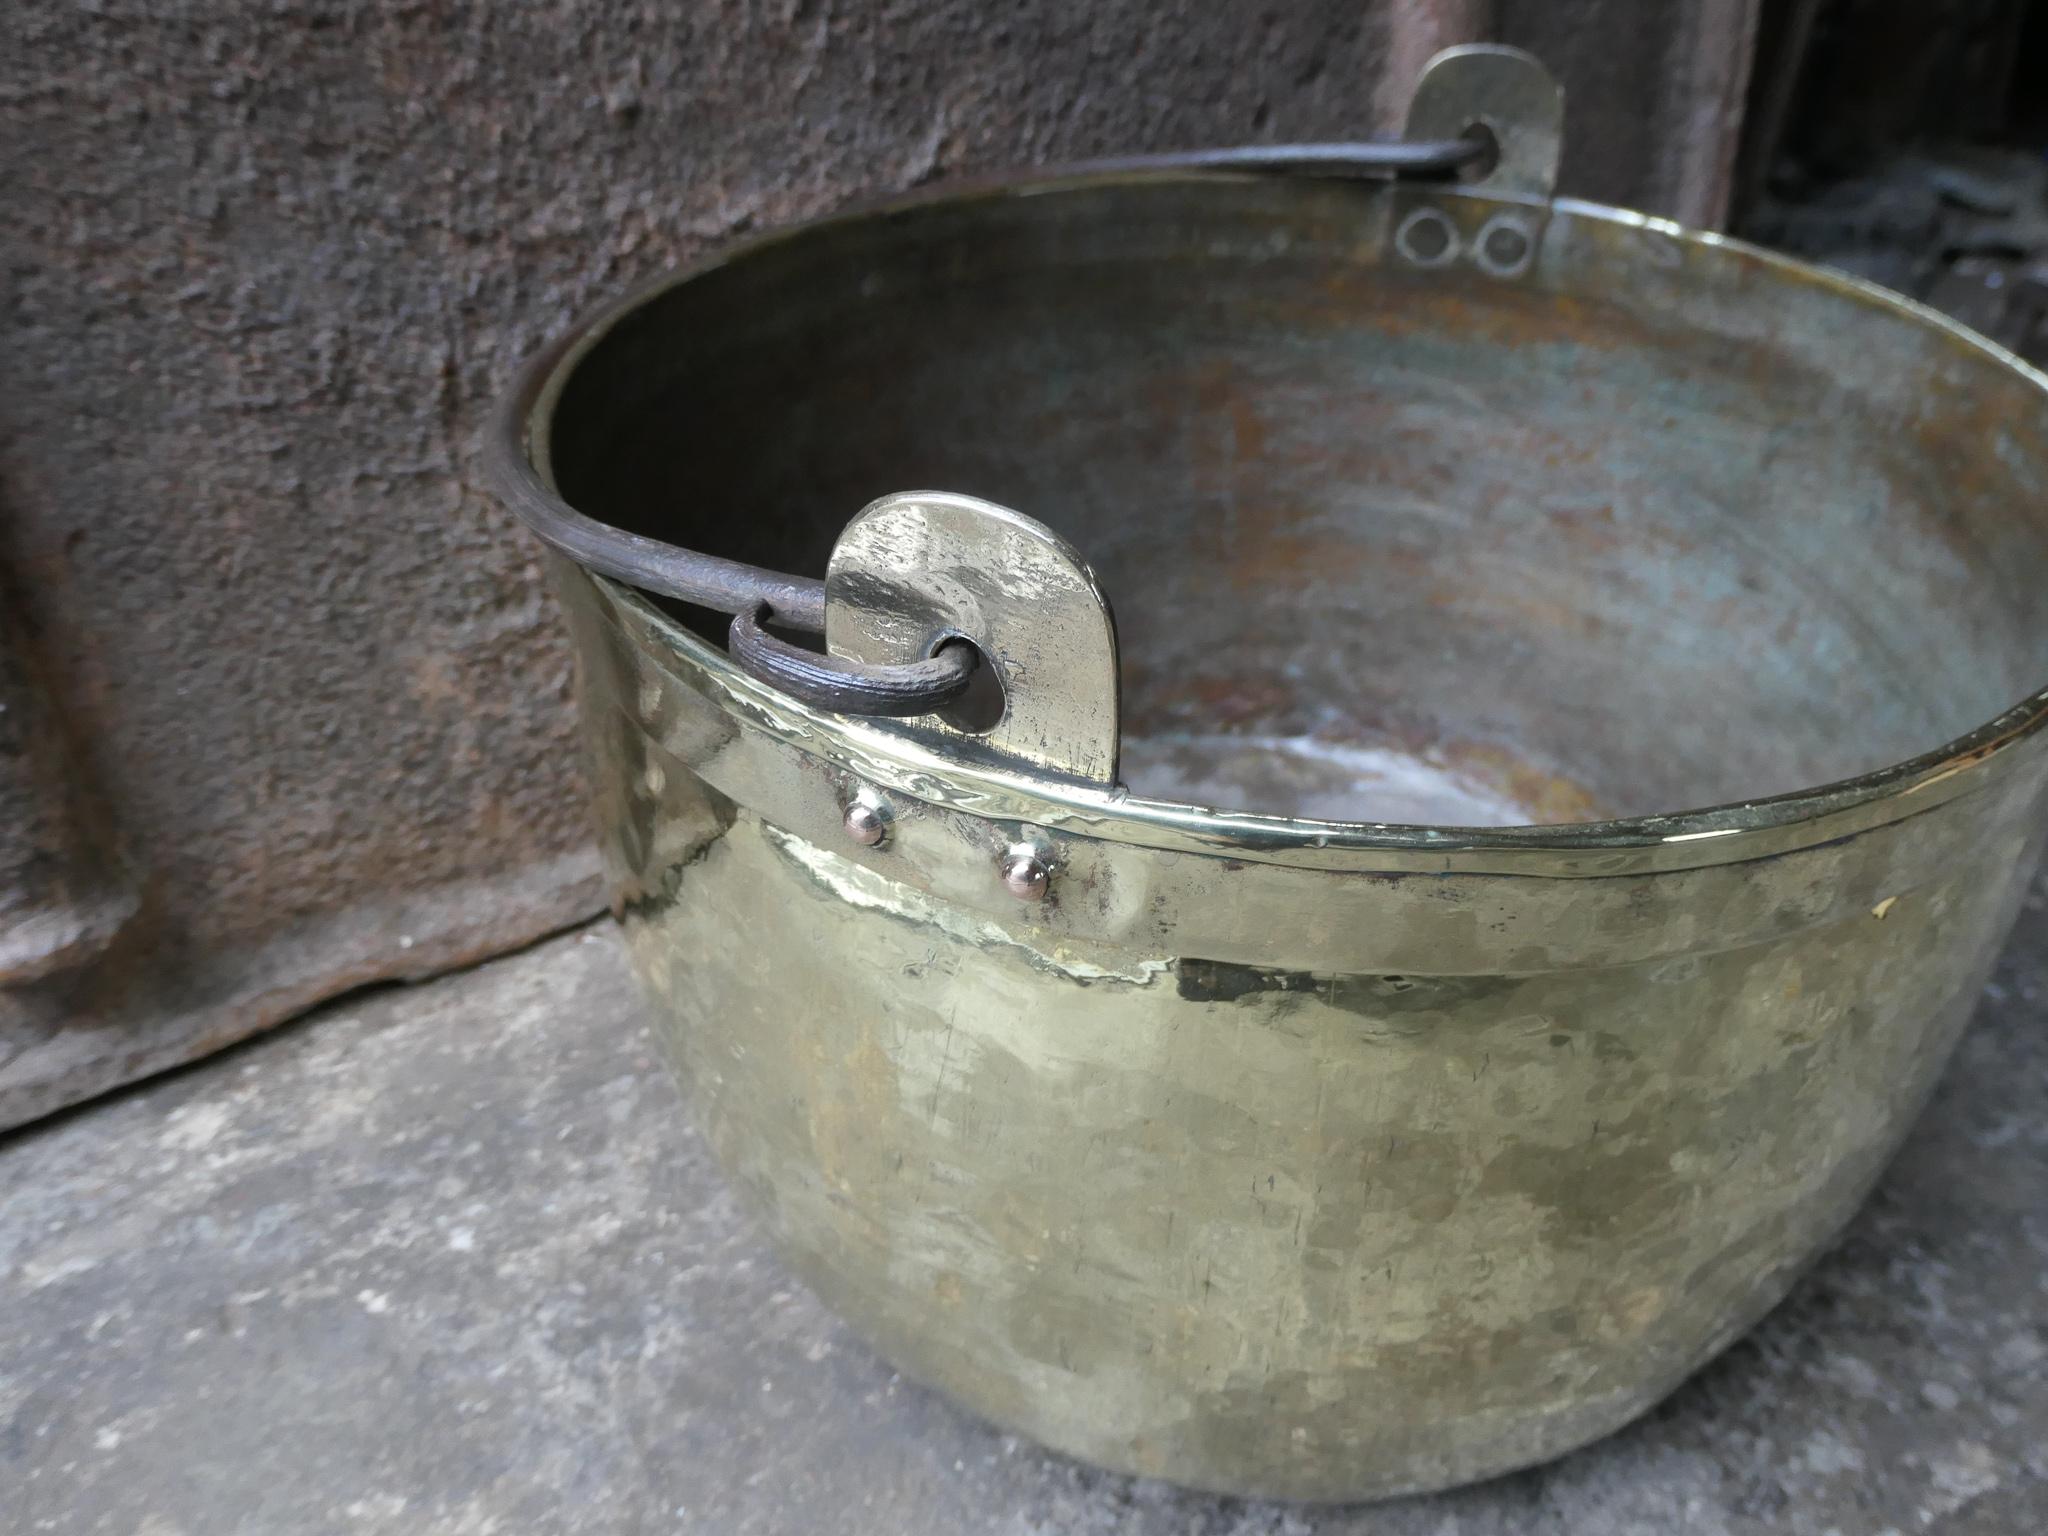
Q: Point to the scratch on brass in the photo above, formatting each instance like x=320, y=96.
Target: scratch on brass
x=862, y=887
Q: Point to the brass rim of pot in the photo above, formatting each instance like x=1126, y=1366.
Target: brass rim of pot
x=516, y=455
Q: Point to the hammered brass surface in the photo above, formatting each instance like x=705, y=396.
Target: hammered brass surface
x=1280, y=1226
x=1312, y=1232
x=1282, y=1148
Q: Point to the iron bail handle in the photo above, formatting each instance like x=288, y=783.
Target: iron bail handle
x=896, y=692
x=757, y=597
x=1490, y=113
x=1421, y=159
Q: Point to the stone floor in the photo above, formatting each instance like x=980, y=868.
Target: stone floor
x=447, y=1259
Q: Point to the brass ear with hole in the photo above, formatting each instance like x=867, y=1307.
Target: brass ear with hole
x=1511, y=95
x=914, y=571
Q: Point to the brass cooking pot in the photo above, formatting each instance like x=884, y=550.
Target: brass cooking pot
x=1340, y=1065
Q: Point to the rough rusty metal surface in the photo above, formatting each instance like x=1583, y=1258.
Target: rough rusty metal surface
x=449, y=1261
x=268, y=266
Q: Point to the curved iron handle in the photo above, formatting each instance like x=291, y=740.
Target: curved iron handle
x=755, y=596
x=1418, y=158
x=851, y=687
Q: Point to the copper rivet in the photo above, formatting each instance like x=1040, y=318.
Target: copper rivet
x=865, y=824
x=1026, y=873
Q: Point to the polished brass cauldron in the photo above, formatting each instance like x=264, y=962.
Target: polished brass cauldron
x=1341, y=1064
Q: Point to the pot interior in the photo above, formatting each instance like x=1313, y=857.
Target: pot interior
x=1662, y=525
